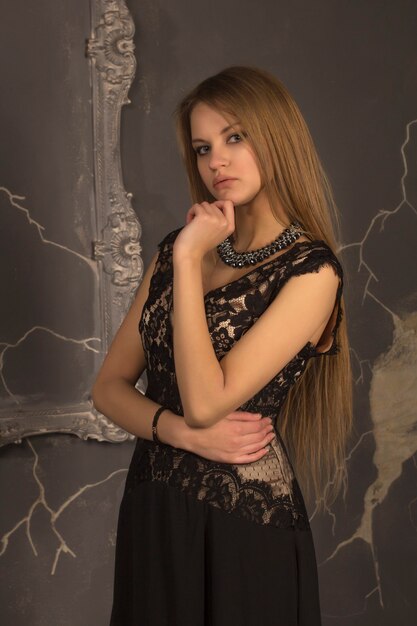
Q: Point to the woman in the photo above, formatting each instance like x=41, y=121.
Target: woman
x=243, y=339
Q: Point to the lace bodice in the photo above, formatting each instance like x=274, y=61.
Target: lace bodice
x=265, y=491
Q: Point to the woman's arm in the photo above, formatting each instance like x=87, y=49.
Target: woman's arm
x=114, y=393
x=239, y=439
x=210, y=388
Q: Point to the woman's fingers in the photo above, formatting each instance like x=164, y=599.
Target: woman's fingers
x=243, y=440
x=250, y=429
x=254, y=437
x=227, y=208
x=255, y=445
x=192, y=213
x=255, y=451
x=250, y=458
x=216, y=218
x=244, y=416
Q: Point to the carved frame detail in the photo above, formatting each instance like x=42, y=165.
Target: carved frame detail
x=117, y=250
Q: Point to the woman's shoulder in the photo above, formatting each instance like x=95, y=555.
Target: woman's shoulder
x=311, y=256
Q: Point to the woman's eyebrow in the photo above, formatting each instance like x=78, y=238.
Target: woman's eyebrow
x=221, y=132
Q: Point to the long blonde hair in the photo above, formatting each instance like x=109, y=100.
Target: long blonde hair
x=316, y=418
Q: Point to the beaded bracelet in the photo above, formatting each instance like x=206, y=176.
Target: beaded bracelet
x=155, y=421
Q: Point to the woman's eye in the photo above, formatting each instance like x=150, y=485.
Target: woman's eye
x=235, y=138
x=201, y=150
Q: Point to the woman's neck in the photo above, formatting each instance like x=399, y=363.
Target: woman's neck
x=256, y=225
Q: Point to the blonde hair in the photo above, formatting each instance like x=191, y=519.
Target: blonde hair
x=316, y=418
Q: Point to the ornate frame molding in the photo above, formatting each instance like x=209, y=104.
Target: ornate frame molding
x=117, y=250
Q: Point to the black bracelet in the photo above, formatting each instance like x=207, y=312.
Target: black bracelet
x=155, y=421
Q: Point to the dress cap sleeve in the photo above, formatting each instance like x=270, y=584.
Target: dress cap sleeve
x=311, y=259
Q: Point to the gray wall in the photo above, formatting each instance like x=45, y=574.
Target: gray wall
x=351, y=67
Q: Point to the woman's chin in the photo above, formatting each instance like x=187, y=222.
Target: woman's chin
x=226, y=194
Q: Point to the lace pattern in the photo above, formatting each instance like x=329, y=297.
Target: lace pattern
x=266, y=491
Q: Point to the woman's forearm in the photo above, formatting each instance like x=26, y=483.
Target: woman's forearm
x=199, y=374
x=127, y=407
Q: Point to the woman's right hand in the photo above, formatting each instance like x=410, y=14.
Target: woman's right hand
x=240, y=437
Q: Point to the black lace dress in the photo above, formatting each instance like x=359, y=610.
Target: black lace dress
x=201, y=543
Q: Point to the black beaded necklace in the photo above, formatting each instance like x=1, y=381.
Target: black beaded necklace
x=241, y=259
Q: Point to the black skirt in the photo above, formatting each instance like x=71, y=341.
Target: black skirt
x=184, y=562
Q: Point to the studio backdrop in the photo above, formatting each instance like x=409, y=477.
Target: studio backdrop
x=91, y=180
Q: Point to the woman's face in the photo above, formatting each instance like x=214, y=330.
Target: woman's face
x=225, y=161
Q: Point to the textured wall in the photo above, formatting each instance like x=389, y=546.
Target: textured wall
x=351, y=68
x=58, y=494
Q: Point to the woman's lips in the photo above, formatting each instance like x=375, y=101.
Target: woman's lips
x=224, y=181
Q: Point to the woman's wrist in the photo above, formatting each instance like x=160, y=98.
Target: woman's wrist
x=173, y=431
x=183, y=255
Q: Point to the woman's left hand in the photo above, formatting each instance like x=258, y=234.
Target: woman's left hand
x=207, y=225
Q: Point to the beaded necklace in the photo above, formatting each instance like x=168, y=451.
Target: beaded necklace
x=228, y=254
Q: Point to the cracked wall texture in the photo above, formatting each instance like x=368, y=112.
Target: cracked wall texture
x=351, y=68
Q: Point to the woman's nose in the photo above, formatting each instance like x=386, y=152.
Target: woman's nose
x=218, y=157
